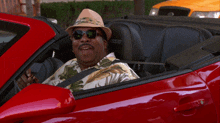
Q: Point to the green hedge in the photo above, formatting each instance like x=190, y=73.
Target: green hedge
x=67, y=12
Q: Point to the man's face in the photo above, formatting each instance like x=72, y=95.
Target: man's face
x=88, y=51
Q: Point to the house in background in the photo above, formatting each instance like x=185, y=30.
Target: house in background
x=12, y=7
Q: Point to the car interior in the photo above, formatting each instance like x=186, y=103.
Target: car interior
x=148, y=48
x=153, y=43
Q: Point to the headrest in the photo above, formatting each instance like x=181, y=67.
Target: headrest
x=63, y=49
x=126, y=42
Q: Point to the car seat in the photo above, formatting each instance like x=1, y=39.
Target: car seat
x=127, y=46
x=178, y=38
x=45, y=69
x=172, y=40
x=48, y=65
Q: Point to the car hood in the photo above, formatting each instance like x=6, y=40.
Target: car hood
x=195, y=5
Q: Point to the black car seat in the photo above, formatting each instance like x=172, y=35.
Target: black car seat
x=64, y=50
x=46, y=67
x=172, y=40
x=178, y=38
x=127, y=46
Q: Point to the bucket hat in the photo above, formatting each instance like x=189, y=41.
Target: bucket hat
x=90, y=18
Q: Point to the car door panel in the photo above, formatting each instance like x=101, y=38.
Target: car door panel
x=211, y=75
x=157, y=100
x=181, y=99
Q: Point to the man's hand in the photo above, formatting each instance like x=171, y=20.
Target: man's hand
x=26, y=79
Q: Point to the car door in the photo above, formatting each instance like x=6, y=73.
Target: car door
x=180, y=99
x=177, y=99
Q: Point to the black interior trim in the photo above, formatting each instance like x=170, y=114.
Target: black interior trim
x=205, y=63
x=193, y=55
x=4, y=93
x=214, y=46
x=207, y=23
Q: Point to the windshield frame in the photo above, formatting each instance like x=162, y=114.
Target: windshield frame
x=15, y=28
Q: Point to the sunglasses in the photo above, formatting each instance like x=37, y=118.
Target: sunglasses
x=78, y=34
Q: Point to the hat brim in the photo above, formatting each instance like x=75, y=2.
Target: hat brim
x=107, y=30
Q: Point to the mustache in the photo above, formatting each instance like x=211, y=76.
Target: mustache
x=85, y=44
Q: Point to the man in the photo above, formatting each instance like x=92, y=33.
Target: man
x=89, y=42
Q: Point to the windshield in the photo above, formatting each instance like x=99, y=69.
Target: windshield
x=5, y=37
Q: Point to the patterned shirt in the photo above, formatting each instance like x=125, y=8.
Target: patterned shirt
x=106, y=74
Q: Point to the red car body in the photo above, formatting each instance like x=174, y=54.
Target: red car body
x=183, y=94
x=8, y=59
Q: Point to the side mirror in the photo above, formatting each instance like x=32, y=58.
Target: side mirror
x=37, y=100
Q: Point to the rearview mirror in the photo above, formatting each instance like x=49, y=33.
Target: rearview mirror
x=36, y=100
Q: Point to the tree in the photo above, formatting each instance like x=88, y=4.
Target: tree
x=37, y=7
x=29, y=8
x=31, y=11
x=139, y=7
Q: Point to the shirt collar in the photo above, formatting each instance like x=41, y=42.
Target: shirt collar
x=106, y=61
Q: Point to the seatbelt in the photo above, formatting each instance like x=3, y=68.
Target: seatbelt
x=80, y=76
x=76, y=77
x=84, y=73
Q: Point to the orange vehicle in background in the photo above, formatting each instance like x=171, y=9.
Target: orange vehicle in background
x=190, y=8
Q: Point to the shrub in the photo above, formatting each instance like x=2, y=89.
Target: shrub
x=67, y=12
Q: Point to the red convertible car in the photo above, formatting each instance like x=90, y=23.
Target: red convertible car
x=177, y=59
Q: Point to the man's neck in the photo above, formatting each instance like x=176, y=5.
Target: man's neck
x=85, y=65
